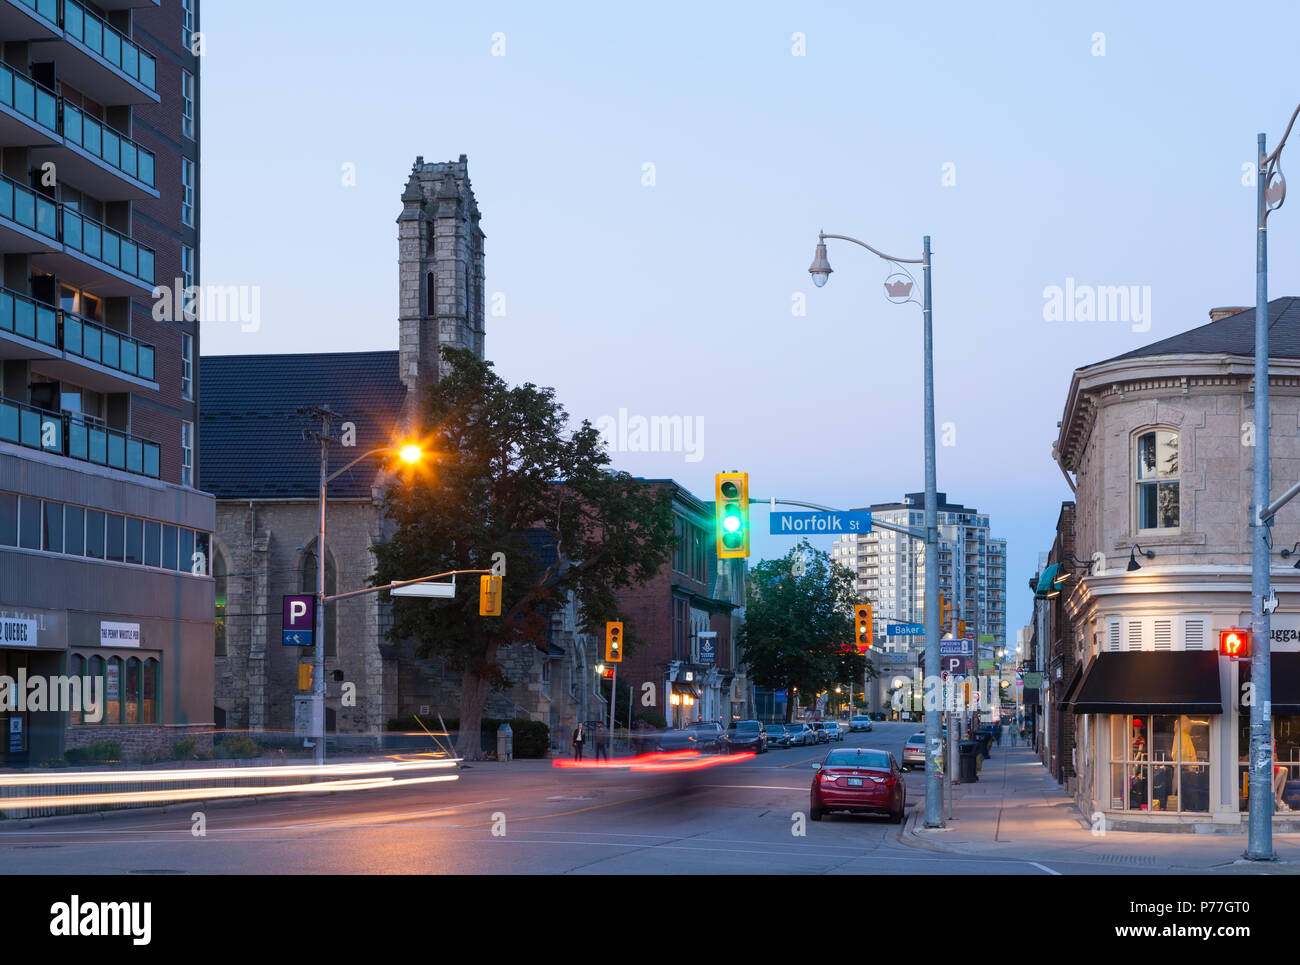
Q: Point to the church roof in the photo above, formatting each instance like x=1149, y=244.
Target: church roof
x=253, y=443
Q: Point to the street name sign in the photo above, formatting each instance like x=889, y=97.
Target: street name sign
x=957, y=648
x=905, y=629
x=800, y=524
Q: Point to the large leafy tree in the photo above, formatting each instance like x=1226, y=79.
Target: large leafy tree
x=798, y=619
x=506, y=474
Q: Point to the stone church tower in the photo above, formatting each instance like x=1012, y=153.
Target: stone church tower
x=440, y=265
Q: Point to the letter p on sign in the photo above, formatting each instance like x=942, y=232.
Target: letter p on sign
x=299, y=612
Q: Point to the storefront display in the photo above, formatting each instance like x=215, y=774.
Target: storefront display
x=1160, y=762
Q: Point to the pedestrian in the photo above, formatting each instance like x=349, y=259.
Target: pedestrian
x=578, y=739
x=602, y=744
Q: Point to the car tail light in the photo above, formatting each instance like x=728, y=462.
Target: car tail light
x=829, y=777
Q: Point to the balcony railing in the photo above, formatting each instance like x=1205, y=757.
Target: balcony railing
x=86, y=235
x=75, y=335
x=80, y=24
x=49, y=9
x=67, y=435
x=30, y=99
x=105, y=143
x=24, y=206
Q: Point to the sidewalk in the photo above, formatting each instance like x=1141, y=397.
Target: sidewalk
x=1016, y=810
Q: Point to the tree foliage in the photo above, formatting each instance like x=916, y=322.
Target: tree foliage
x=798, y=620
x=506, y=474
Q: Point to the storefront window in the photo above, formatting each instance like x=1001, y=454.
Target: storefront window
x=132, y=691
x=113, y=691
x=149, y=701
x=100, y=689
x=1160, y=762
x=77, y=668
x=1286, y=762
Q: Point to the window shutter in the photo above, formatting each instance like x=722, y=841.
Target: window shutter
x=1164, y=633
x=1194, y=635
x=1134, y=635
x=1112, y=635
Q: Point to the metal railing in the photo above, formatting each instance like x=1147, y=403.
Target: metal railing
x=75, y=335
x=49, y=9
x=94, y=240
x=67, y=435
x=26, y=207
x=115, y=47
x=32, y=100
x=108, y=145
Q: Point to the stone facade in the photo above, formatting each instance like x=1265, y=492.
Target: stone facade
x=1197, y=581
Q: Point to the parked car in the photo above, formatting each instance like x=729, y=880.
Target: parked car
x=860, y=722
x=836, y=730
x=914, y=751
x=746, y=735
x=707, y=737
x=880, y=715
x=776, y=735
x=820, y=731
x=858, y=780
x=801, y=734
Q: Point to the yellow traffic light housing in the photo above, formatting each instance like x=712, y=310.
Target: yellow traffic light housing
x=489, y=596
x=945, y=614
x=862, y=620
x=304, y=676
x=961, y=629
x=731, y=509
x=614, y=642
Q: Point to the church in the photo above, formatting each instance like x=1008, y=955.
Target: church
x=260, y=459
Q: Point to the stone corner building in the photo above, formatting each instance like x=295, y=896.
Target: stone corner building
x=262, y=465
x=1160, y=443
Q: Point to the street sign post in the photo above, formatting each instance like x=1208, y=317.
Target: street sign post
x=803, y=524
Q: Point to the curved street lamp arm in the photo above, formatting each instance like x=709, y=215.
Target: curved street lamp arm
x=879, y=254
x=1272, y=158
x=338, y=472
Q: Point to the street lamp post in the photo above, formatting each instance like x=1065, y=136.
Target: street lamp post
x=409, y=454
x=901, y=292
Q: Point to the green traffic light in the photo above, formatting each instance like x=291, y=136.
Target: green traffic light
x=731, y=522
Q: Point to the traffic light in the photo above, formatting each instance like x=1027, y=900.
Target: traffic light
x=304, y=676
x=731, y=508
x=613, y=642
x=961, y=629
x=862, y=619
x=489, y=596
x=1234, y=642
x=945, y=614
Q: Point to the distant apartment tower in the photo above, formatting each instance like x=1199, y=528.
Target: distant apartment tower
x=890, y=569
x=104, y=539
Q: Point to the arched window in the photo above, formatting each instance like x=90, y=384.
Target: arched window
x=77, y=668
x=132, y=691
x=113, y=691
x=221, y=578
x=99, y=688
x=1156, y=478
x=308, y=585
x=151, y=685
x=430, y=292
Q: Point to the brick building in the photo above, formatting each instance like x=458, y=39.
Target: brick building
x=104, y=537
x=694, y=593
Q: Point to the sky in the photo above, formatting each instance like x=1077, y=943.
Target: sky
x=1037, y=146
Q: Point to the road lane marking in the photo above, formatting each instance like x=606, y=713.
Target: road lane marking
x=1045, y=868
x=761, y=787
x=561, y=814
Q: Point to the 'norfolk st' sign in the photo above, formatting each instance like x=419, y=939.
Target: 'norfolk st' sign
x=803, y=524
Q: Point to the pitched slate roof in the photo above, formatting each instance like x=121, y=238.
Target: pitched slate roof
x=253, y=442
x=1234, y=335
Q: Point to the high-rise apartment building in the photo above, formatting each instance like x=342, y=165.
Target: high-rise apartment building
x=104, y=539
x=890, y=569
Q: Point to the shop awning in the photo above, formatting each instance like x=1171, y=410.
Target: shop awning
x=686, y=690
x=1076, y=680
x=1151, y=682
x=1045, y=581
x=1284, y=683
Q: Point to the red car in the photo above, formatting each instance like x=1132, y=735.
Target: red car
x=858, y=780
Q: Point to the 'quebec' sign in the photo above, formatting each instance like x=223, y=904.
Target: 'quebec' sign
x=801, y=524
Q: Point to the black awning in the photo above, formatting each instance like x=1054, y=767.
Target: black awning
x=1030, y=696
x=1076, y=679
x=1284, y=683
x=1151, y=682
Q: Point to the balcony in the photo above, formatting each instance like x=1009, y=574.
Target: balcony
x=94, y=56
x=97, y=158
x=28, y=111
x=29, y=19
x=72, y=347
x=32, y=219
x=67, y=243
x=61, y=434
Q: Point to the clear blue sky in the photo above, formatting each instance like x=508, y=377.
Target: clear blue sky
x=1122, y=169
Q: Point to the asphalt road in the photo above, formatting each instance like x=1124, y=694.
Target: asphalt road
x=738, y=818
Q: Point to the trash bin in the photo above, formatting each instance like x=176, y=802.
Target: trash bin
x=505, y=743
x=966, y=751
x=985, y=738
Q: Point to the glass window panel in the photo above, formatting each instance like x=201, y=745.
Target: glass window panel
x=46, y=110
x=1162, y=746
x=8, y=519
x=24, y=96
x=146, y=167
x=127, y=360
x=152, y=543
x=6, y=311
x=76, y=668
x=114, y=540
x=1137, y=783
x=127, y=160
x=132, y=691
x=151, y=453
x=1119, y=787
x=6, y=86
x=144, y=271
x=96, y=667
x=112, y=248
x=116, y=451
x=53, y=535
x=129, y=257
x=95, y=534
x=1194, y=789
x=112, y=149
x=1166, y=504
x=130, y=58
x=203, y=546
x=71, y=230
x=1164, y=792
x=78, y=440
x=6, y=200
x=73, y=22
x=147, y=70
x=110, y=350
x=93, y=34
x=47, y=329
x=90, y=238
x=25, y=318
x=25, y=208
x=134, y=455
x=29, y=522
x=149, y=693
x=134, y=540
x=94, y=137
x=113, y=691
x=71, y=123
x=169, y=547
x=1147, y=509
x=185, y=561
x=47, y=214
x=74, y=530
